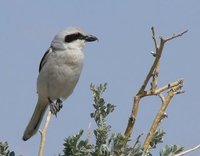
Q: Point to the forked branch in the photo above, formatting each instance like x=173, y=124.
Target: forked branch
x=172, y=88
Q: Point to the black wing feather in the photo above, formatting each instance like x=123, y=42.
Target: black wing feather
x=44, y=58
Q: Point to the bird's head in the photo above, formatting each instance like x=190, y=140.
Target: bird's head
x=71, y=38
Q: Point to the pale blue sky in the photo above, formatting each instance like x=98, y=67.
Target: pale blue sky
x=121, y=58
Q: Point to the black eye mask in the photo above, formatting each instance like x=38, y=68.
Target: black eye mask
x=73, y=37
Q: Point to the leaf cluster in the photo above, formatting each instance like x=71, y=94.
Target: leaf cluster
x=171, y=150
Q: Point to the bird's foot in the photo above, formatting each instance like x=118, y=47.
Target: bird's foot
x=55, y=106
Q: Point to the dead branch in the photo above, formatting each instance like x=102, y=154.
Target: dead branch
x=172, y=88
x=160, y=115
x=175, y=36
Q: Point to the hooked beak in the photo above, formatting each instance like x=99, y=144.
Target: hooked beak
x=91, y=38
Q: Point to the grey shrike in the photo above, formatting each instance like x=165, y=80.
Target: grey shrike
x=59, y=72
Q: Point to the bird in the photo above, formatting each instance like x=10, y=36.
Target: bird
x=59, y=72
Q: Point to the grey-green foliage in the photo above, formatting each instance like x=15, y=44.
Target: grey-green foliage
x=157, y=138
x=171, y=150
x=4, y=151
x=119, y=148
x=106, y=142
x=74, y=146
x=102, y=110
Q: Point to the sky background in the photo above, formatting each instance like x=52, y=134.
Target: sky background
x=121, y=58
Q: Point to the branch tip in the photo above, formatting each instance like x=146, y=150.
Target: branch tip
x=175, y=36
x=181, y=81
x=153, y=31
x=180, y=92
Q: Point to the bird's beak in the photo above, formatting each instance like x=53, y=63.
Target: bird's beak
x=90, y=38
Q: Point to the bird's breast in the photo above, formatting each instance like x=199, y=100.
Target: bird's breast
x=61, y=73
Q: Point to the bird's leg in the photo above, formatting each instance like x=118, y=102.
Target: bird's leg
x=52, y=107
x=59, y=103
x=55, y=106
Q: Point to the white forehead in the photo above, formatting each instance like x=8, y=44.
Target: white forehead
x=67, y=31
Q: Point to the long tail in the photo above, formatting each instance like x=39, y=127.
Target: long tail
x=36, y=119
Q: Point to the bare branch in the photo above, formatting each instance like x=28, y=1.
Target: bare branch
x=169, y=86
x=175, y=36
x=154, y=38
x=161, y=114
x=156, y=122
x=153, y=72
x=138, y=140
x=161, y=97
x=188, y=151
x=43, y=133
x=132, y=119
x=164, y=88
x=159, y=50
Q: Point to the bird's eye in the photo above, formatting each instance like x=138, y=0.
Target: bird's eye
x=73, y=37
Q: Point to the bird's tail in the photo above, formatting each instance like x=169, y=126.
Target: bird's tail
x=36, y=119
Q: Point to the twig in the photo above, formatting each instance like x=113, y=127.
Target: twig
x=169, y=86
x=175, y=36
x=154, y=38
x=89, y=133
x=188, y=151
x=138, y=140
x=43, y=133
x=164, y=88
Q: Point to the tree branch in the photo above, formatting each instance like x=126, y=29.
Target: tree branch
x=154, y=38
x=175, y=36
x=43, y=133
x=159, y=116
x=158, y=54
x=164, y=88
x=154, y=72
x=133, y=116
x=188, y=151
